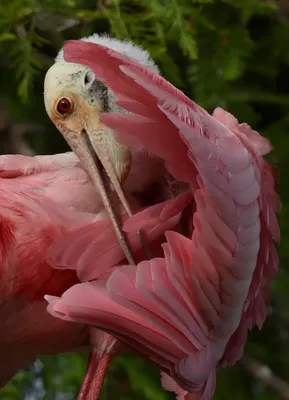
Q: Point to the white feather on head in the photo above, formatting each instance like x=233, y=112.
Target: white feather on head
x=127, y=48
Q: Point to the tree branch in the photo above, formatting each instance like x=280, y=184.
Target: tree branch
x=265, y=374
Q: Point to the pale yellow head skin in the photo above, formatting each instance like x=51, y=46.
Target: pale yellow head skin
x=87, y=96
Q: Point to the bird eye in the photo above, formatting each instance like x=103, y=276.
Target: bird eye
x=64, y=106
x=89, y=78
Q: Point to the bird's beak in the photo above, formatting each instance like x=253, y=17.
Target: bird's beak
x=106, y=161
x=108, y=164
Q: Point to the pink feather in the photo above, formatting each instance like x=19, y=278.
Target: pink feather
x=93, y=249
x=190, y=310
x=41, y=198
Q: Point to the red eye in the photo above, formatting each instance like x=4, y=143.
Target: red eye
x=64, y=106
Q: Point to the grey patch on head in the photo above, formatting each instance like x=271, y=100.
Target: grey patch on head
x=104, y=98
x=95, y=89
x=99, y=91
x=75, y=76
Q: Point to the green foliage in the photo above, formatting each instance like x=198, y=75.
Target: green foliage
x=228, y=53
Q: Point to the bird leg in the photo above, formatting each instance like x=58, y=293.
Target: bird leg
x=97, y=367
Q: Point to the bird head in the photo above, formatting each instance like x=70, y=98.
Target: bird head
x=74, y=98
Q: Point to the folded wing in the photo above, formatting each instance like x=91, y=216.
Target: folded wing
x=93, y=249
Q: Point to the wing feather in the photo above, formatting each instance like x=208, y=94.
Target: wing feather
x=16, y=165
x=93, y=249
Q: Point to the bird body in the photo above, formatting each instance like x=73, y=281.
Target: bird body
x=188, y=311
x=41, y=198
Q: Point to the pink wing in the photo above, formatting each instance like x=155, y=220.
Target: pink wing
x=49, y=175
x=34, y=187
x=188, y=312
x=94, y=249
x=41, y=199
x=31, y=217
x=16, y=165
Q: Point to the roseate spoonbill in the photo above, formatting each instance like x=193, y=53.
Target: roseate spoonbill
x=188, y=311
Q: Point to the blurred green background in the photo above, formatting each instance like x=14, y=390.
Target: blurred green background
x=230, y=53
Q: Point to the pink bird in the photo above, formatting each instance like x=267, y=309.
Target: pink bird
x=189, y=310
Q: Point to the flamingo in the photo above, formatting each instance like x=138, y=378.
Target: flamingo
x=189, y=310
